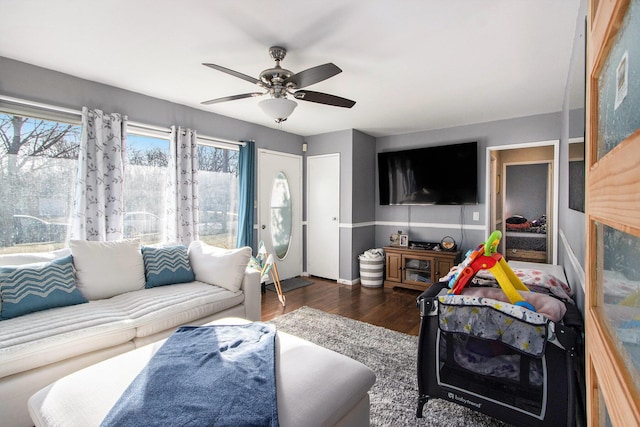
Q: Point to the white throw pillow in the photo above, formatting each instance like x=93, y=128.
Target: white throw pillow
x=106, y=269
x=219, y=266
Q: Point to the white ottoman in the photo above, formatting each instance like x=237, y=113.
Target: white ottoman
x=315, y=387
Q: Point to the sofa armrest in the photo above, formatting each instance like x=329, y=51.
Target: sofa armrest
x=252, y=295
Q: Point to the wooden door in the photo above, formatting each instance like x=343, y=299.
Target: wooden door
x=612, y=306
x=393, y=267
x=442, y=267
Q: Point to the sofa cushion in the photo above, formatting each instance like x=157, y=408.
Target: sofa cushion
x=34, y=287
x=50, y=336
x=166, y=265
x=106, y=269
x=219, y=266
x=164, y=307
x=45, y=337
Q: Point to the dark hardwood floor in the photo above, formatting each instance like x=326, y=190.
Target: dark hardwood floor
x=390, y=308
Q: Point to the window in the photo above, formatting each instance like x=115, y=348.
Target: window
x=218, y=195
x=38, y=167
x=38, y=162
x=146, y=163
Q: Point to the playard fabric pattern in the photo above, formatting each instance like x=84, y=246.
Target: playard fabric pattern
x=519, y=328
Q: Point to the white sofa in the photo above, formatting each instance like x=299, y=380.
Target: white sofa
x=40, y=347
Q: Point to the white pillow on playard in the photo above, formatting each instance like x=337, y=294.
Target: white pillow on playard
x=219, y=266
x=106, y=269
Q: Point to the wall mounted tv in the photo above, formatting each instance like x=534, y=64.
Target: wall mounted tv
x=439, y=175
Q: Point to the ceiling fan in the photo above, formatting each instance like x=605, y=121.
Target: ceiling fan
x=279, y=83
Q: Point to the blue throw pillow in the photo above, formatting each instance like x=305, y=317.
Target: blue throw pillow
x=35, y=287
x=166, y=265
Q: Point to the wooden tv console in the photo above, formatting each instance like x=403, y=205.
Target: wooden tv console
x=417, y=268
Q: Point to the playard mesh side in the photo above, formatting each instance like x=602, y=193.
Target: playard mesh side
x=492, y=349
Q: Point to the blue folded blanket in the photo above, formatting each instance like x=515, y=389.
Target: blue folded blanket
x=222, y=375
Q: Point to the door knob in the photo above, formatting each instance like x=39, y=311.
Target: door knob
x=264, y=226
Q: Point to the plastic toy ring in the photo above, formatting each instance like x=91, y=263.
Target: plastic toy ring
x=491, y=245
x=525, y=305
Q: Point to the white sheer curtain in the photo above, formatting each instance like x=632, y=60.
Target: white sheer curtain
x=98, y=212
x=182, y=188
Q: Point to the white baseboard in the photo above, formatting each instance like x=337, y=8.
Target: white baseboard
x=349, y=282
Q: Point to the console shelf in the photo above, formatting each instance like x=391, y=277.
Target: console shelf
x=416, y=268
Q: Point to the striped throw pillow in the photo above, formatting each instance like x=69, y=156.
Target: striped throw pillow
x=166, y=265
x=34, y=287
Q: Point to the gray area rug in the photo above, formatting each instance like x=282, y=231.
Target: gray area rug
x=392, y=356
x=291, y=284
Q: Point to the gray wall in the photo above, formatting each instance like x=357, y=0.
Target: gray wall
x=357, y=168
x=363, y=198
x=432, y=223
x=526, y=191
x=27, y=81
x=571, y=223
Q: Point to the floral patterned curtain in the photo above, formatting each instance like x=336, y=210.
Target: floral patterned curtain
x=98, y=206
x=182, y=188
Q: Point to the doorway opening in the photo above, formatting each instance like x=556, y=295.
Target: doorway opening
x=522, y=199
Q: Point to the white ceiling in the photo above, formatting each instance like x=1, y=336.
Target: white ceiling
x=411, y=65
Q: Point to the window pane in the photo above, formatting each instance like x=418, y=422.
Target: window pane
x=38, y=161
x=619, y=282
x=619, y=85
x=218, y=195
x=281, y=215
x=145, y=185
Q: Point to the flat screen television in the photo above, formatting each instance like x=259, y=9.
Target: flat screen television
x=439, y=175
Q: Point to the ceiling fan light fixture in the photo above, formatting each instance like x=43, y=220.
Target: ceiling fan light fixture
x=279, y=109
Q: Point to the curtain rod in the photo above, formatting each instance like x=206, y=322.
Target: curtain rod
x=148, y=127
x=221, y=140
x=40, y=105
x=131, y=123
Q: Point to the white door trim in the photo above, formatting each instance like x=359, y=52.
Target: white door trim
x=556, y=186
x=296, y=232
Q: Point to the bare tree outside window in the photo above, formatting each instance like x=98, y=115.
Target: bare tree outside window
x=38, y=161
x=218, y=195
x=38, y=167
x=147, y=160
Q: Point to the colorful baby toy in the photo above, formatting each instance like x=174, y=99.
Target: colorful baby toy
x=486, y=257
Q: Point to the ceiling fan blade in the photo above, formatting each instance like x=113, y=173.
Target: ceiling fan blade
x=233, y=73
x=313, y=75
x=232, y=98
x=323, y=98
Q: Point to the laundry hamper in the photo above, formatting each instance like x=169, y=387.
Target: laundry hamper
x=372, y=268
